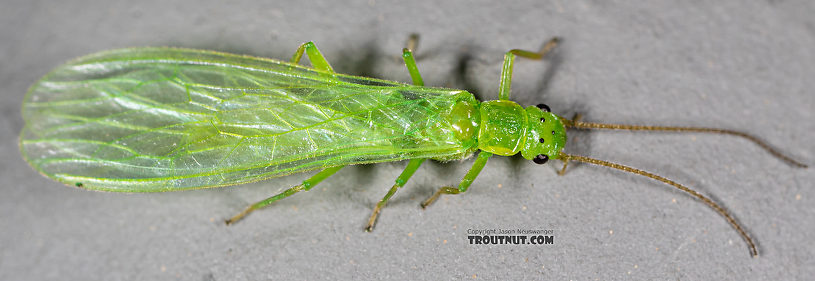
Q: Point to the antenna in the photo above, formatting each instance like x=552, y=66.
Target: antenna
x=590, y=125
x=568, y=157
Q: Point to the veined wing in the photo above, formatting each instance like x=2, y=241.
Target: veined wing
x=159, y=119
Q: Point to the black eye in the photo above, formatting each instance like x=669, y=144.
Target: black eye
x=541, y=140
x=544, y=107
x=543, y=119
x=540, y=159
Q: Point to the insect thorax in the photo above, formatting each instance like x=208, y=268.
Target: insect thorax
x=506, y=128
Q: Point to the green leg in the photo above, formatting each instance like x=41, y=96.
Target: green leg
x=414, y=164
x=305, y=186
x=411, y=168
x=509, y=59
x=410, y=62
x=314, y=55
x=468, y=179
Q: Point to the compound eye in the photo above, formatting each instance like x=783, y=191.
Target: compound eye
x=540, y=159
x=544, y=107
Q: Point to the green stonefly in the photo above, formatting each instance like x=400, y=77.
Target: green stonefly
x=169, y=119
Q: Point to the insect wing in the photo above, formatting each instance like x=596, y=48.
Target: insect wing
x=160, y=119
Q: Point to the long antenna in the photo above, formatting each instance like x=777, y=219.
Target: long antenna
x=590, y=125
x=716, y=207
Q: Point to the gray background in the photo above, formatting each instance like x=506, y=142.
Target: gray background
x=744, y=65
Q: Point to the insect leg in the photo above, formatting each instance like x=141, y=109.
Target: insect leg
x=414, y=164
x=410, y=62
x=468, y=179
x=314, y=55
x=509, y=59
x=411, y=168
x=305, y=186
